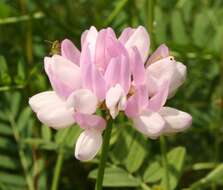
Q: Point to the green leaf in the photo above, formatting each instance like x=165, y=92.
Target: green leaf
x=61, y=135
x=178, y=28
x=46, y=133
x=116, y=177
x=136, y=154
x=5, y=10
x=4, y=73
x=122, y=146
x=72, y=135
x=120, y=150
x=176, y=158
x=14, y=101
x=7, y=144
x=41, y=143
x=24, y=119
x=161, y=26
x=12, y=179
x=201, y=30
x=153, y=173
x=8, y=162
x=5, y=129
x=215, y=176
x=21, y=74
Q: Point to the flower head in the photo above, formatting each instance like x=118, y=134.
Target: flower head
x=114, y=74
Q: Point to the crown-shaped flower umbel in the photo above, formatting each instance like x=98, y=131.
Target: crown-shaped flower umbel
x=113, y=74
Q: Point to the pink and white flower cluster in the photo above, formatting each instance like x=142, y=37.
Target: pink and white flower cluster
x=111, y=73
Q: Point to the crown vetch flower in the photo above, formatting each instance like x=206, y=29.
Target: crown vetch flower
x=114, y=74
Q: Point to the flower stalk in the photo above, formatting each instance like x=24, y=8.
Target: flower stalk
x=104, y=155
x=57, y=171
x=164, y=162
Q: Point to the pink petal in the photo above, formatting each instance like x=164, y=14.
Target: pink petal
x=91, y=77
x=90, y=37
x=116, y=48
x=83, y=101
x=176, y=120
x=140, y=39
x=149, y=123
x=118, y=72
x=88, y=144
x=159, y=99
x=138, y=70
x=125, y=35
x=112, y=72
x=64, y=76
x=87, y=121
x=161, y=52
x=101, y=54
x=125, y=75
x=137, y=102
x=70, y=52
x=51, y=110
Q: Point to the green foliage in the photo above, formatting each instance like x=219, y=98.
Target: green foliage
x=29, y=150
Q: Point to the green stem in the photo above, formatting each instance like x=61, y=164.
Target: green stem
x=12, y=20
x=7, y=88
x=22, y=156
x=104, y=155
x=164, y=162
x=150, y=6
x=57, y=170
x=120, y=5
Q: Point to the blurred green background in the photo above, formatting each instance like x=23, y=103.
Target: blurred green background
x=30, y=152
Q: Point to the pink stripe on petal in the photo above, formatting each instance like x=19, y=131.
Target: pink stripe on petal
x=137, y=67
x=137, y=102
x=125, y=35
x=69, y=51
x=140, y=39
x=159, y=99
x=88, y=121
x=161, y=52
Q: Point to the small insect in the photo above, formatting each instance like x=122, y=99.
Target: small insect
x=55, y=47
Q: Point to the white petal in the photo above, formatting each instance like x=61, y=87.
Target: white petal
x=178, y=78
x=115, y=100
x=165, y=69
x=139, y=39
x=42, y=99
x=90, y=38
x=83, y=101
x=88, y=144
x=176, y=120
x=51, y=110
x=149, y=123
x=56, y=116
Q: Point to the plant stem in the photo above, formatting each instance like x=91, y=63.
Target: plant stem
x=150, y=6
x=104, y=155
x=165, y=162
x=120, y=5
x=57, y=170
x=23, y=18
x=22, y=156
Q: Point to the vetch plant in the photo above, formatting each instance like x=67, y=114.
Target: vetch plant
x=111, y=75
